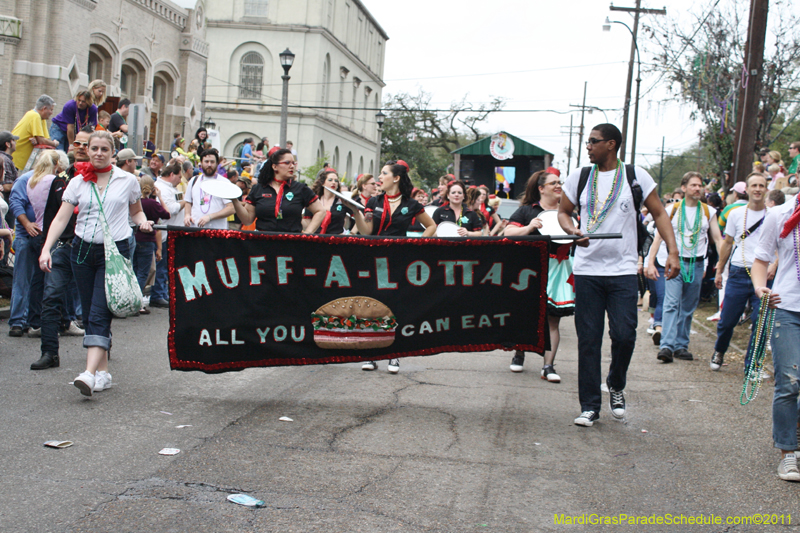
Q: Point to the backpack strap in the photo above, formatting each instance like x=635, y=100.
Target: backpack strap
x=584, y=179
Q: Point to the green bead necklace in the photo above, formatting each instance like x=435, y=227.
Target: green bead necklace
x=94, y=231
x=753, y=376
x=687, y=273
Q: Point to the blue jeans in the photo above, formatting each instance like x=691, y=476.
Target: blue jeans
x=90, y=277
x=26, y=261
x=61, y=136
x=594, y=297
x=680, y=301
x=142, y=260
x=658, y=315
x=786, y=358
x=738, y=290
x=57, y=283
x=160, y=288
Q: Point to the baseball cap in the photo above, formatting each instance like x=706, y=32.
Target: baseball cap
x=739, y=187
x=126, y=155
x=6, y=136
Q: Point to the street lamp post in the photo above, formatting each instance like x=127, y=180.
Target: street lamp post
x=209, y=124
x=380, y=118
x=287, y=58
x=607, y=27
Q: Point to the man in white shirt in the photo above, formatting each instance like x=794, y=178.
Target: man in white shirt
x=173, y=203
x=202, y=209
x=693, y=222
x=605, y=271
x=741, y=240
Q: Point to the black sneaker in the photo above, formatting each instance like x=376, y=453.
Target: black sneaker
x=160, y=302
x=683, y=354
x=517, y=361
x=617, y=402
x=657, y=337
x=15, y=331
x=665, y=354
x=587, y=419
x=716, y=360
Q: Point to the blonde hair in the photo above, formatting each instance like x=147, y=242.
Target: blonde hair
x=776, y=156
x=47, y=163
x=102, y=135
x=147, y=184
x=774, y=167
x=92, y=86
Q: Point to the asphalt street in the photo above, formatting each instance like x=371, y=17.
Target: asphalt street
x=455, y=442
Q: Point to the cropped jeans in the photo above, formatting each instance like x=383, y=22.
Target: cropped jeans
x=786, y=358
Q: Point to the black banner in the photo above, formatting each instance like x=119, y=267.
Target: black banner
x=246, y=299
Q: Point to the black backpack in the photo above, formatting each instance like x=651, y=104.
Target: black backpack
x=636, y=191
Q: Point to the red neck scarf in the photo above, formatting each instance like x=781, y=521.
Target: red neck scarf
x=364, y=199
x=793, y=220
x=89, y=173
x=323, y=228
x=284, y=184
x=386, y=216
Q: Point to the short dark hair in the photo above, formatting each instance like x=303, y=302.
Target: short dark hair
x=610, y=133
x=123, y=103
x=777, y=196
x=174, y=168
x=210, y=151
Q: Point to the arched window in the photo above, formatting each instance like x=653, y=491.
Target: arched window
x=321, y=151
x=326, y=76
x=251, y=74
x=349, y=167
x=336, y=157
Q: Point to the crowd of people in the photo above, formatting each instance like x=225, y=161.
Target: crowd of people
x=68, y=185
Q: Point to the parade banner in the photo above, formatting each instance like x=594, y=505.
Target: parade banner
x=250, y=299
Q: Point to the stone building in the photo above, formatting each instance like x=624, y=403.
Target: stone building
x=150, y=51
x=336, y=80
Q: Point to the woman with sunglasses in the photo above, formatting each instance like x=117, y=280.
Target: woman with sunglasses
x=391, y=213
x=543, y=193
x=96, y=181
x=277, y=201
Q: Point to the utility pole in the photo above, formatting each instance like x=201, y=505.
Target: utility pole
x=747, y=112
x=661, y=170
x=580, y=129
x=626, y=109
x=569, y=153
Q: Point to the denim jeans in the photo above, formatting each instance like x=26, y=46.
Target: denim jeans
x=786, y=358
x=594, y=297
x=738, y=290
x=658, y=315
x=57, y=282
x=680, y=301
x=160, y=288
x=142, y=260
x=61, y=136
x=90, y=273
x=26, y=261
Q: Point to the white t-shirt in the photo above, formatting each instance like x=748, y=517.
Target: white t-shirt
x=609, y=257
x=204, y=204
x=691, y=216
x=786, y=284
x=172, y=198
x=735, y=228
x=122, y=191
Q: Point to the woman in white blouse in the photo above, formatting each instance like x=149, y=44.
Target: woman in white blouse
x=120, y=194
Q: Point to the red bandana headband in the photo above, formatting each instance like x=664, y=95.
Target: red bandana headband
x=403, y=164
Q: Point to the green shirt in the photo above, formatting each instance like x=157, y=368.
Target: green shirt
x=723, y=217
x=793, y=166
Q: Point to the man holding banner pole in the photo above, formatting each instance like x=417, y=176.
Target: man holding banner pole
x=608, y=195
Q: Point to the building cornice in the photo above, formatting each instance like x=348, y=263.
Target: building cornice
x=165, y=10
x=86, y=4
x=297, y=28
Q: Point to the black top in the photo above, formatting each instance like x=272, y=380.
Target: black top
x=53, y=204
x=117, y=120
x=523, y=216
x=297, y=196
x=469, y=220
x=333, y=224
x=394, y=224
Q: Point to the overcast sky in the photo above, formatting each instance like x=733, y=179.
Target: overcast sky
x=537, y=55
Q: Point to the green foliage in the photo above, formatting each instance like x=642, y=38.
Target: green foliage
x=309, y=173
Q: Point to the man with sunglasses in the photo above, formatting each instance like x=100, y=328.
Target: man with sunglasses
x=605, y=271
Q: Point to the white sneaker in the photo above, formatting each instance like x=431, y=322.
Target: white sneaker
x=394, y=366
x=714, y=317
x=586, y=419
x=787, y=468
x=85, y=383
x=102, y=381
x=603, y=387
x=650, y=331
x=35, y=332
x=369, y=365
x=73, y=330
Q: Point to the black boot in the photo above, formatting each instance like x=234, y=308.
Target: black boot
x=48, y=360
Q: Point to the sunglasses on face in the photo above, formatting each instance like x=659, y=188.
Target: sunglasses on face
x=79, y=143
x=592, y=140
